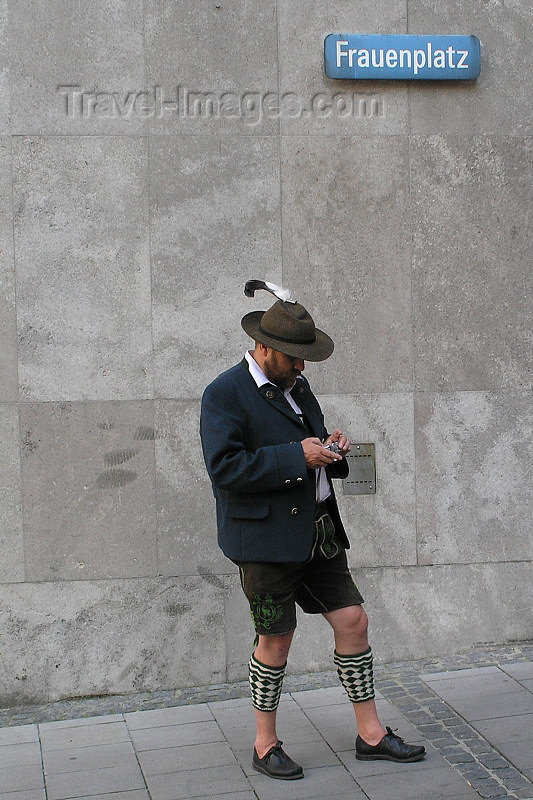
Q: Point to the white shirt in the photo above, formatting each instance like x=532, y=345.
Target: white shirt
x=322, y=485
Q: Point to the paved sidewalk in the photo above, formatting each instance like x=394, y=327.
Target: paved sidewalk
x=476, y=721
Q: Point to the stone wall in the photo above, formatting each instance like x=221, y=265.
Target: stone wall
x=154, y=156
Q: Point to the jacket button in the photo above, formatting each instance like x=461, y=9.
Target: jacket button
x=288, y=480
x=294, y=511
x=270, y=394
x=299, y=480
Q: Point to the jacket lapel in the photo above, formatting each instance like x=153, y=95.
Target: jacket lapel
x=305, y=399
x=275, y=397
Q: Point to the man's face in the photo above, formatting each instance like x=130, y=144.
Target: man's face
x=282, y=369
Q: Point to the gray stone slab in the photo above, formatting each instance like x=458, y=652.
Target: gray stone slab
x=186, y=757
x=318, y=105
x=499, y=732
x=452, y=675
x=176, y=735
x=499, y=102
x=323, y=225
x=472, y=495
x=293, y=726
x=22, y=778
x=61, y=739
x=234, y=796
x=382, y=526
x=89, y=758
x=11, y=534
x=316, y=783
x=478, y=708
x=29, y=794
x=19, y=734
x=474, y=685
x=239, y=631
x=185, y=503
x=96, y=782
x=88, y=491
x=416, y=610
x=194, y=783
x=207, y=57
x=470, y=211
x=4, y=71
x=332, y=716
x=316, y=698
x=99, y=48
x=13, y=756
x=520, y=753
x=433, y=784
x=177, y=715
x=101, y=637
x=83, y=300
x=135, y=794
x=519, y=671
x=227, y=203
x=81, y=722
x=8, y=318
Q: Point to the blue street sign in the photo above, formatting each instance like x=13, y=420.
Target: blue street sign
x=406, y=57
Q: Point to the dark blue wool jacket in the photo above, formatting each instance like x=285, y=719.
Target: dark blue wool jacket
x=265, y=495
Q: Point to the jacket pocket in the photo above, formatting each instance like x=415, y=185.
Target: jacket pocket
x=248, y=510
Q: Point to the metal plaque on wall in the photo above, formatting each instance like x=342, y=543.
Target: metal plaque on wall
x=362, y=476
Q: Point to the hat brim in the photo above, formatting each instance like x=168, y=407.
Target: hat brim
x=318, y=350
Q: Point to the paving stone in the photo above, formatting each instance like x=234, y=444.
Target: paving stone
x=29, y=794
x=193, y=783
x=18, y=779
x=176, y=735
x=81, y=759
x=94, y=782
x=83, y=736
x=519, y=670
x=80, y=723
x=135, y=794
x=168, y=716
x=316, y=783
x=19, y=755
x=187, y=757
x=437, y=784
x=26, y=733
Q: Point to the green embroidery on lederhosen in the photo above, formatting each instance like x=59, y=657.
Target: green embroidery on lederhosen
x=264, y=611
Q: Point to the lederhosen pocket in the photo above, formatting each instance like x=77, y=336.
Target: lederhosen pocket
x=327, y=543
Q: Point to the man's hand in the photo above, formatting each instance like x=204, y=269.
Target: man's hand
x=343, y=443
x=316, y=455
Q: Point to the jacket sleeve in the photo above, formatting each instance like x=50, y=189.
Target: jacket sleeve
x=231, y=462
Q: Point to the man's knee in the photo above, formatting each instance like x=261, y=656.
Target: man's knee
x=274, y=649
x=350, y=621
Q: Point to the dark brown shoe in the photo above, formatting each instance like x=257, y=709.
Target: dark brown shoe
x=391, y=748
x=277, y=764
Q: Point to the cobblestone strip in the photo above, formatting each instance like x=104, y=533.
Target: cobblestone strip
x=482, y=767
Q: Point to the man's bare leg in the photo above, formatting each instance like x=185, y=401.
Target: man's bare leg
x=350, y=627
x=271, y=651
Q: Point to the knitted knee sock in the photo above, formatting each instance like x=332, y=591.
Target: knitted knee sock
x=265, y=684
x=356, y=675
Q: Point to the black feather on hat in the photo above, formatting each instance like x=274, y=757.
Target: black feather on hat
x=287, y=326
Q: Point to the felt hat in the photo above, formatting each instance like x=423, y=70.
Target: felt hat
x=288, y=327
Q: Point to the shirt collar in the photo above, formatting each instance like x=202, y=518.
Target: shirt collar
x=259, y=376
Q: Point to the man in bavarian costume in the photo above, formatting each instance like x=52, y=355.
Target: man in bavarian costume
x=271, y=461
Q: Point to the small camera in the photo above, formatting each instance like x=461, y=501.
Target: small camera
x=333, y=447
